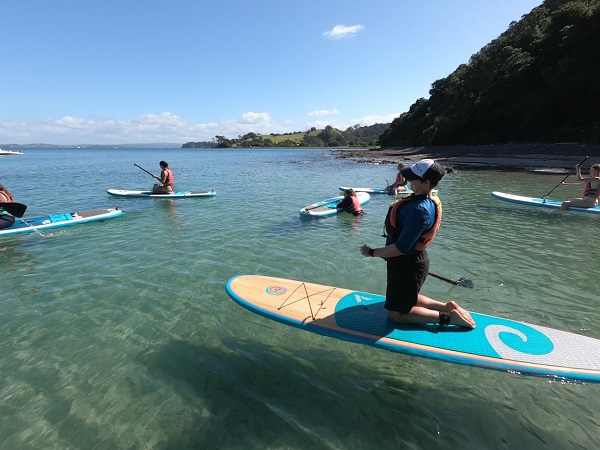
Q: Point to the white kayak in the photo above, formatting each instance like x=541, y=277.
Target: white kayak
x=176, y=194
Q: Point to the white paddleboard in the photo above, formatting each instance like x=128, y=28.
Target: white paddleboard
x=150, y=194
x=328, y=207
x=540, y=202
x=23, y=226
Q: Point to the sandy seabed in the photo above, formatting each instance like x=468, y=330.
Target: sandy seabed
x=552, y=158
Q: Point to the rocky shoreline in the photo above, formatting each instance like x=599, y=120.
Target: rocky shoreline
x=512, y=157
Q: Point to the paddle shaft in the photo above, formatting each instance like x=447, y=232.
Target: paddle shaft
x=562, y=181
x=149, y=173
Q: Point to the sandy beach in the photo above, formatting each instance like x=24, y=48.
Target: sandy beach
x=539, y=157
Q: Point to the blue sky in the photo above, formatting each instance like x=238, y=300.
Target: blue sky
x=144, y=71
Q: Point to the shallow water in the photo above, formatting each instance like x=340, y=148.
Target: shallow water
x=120, y=334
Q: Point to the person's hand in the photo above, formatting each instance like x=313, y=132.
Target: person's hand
x=364, y=250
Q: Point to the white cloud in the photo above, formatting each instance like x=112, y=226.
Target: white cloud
x=323, y=112
x=343, y=31
x=253, y=118
x=162, y=128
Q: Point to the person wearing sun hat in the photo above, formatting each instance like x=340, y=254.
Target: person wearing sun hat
x=411, y=224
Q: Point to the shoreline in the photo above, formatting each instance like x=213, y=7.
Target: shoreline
x=552, y=158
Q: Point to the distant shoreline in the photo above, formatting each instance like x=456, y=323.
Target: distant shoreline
x=511, y=157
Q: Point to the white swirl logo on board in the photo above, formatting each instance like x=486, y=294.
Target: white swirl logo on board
x=511, y=343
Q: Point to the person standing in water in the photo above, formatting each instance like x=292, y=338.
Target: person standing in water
x=350, y=203
x=411, y=224
x=166, y=180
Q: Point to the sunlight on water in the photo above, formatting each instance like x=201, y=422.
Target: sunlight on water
x=119, y=334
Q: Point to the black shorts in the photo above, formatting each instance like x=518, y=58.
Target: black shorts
x=405, y=277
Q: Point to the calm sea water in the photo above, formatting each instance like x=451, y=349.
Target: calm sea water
x=120, y=334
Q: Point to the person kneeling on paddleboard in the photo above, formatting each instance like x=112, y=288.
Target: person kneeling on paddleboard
x=6, y=220
x=410, y=225
x=350, y=203
x=166, y=179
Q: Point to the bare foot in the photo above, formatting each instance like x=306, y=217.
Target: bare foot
x=459, y=316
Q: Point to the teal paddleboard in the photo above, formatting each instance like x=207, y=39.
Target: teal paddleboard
x=496, y=343
x=23, y=226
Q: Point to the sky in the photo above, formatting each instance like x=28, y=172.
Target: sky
x=174, y=71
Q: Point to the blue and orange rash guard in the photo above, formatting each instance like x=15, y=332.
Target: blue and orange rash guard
x=590, y=191
x=412, y=222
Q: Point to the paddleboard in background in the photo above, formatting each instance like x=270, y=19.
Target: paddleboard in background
x=176, y=194
x=540, y=202
x=59, y=220
x=329, y=207
x=367, y=190
x=386, y=191
x=498, y=344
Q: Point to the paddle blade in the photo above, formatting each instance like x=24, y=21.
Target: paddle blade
x=16, y=209
x=465, y=282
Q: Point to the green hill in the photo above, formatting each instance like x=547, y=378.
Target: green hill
x=537, y=82
x=355, y=136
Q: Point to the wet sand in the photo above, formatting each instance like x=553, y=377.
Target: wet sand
x=552, y=158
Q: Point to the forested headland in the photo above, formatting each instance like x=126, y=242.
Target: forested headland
x=537, y=82
x=355, y=136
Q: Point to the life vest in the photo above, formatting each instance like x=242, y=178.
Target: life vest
x=355, y=208
x=5, y=197
x=590, y=191
x=428, y=235
x=170, y=178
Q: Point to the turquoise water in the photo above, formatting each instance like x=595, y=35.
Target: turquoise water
x=120, y=334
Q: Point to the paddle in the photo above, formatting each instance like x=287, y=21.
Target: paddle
x=335, y=202
x=568, y=175
x=16, y=209
x=149, y=173
x=464, y=282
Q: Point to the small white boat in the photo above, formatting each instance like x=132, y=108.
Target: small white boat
x=9, y=152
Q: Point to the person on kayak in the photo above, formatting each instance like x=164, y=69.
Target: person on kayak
x=166, y=180
x=6, y=220
x=350, y=203
x=591, y=191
